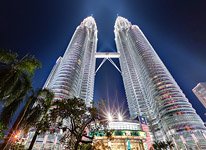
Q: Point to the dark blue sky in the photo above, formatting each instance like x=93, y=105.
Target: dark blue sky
x=176, y=29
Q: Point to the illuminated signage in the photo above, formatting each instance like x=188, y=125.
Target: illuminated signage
x=140, y=134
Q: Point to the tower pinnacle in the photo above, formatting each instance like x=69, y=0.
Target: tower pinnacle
x=89, y=22
x=122, y=23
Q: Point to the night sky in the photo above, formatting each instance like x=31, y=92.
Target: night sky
x=176, y=29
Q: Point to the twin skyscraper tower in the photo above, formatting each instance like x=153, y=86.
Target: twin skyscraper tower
x=150, y=89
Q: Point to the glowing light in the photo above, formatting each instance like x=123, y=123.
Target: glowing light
x=120, y=117
x=109, y=117
x=16, y=135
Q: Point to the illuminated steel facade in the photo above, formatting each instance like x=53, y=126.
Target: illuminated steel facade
x=151, y=90
x=73, y=74
x=200, y=92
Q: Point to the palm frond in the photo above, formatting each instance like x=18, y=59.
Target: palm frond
x=7, y=89
x=34, y=116
x=9, y=111
x=11, y=108
x=7, y=57
x=6, y=84
x=29, y=64
x=49, y=93
x=40, y=102
x=19, y=90
x=5, y=72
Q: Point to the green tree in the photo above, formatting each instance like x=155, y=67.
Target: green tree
x=37, y=104
x=2, y=128
x=17, y=146
x=85, y=146
x=15, y=81
x=156, y=145
x=42, y=126
x=161, y=145
x=170, y=144
x=37, y=116
x=78, y=116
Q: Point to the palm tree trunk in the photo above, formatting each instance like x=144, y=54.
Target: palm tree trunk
x=77, y=144
x=6, y=141
x=15, y=125
x=79, y=137
x=33, y=140
x=9, y=135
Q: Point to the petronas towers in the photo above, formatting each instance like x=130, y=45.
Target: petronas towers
x=73, y=74
x=150, y=89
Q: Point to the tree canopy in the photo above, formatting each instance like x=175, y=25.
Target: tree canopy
x=77, y=117
x=15, y=81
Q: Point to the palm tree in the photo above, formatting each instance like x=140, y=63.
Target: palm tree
x=162, y=145
x=170, y=144
x=156, y=145
x=37, y=116
x=37, y=104
x=2, y=128
x=15, y=81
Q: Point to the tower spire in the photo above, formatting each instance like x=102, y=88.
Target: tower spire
x=122, y=23
x=89, y=22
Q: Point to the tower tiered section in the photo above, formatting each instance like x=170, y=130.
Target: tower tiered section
x=151, y=90
x=73, y=74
